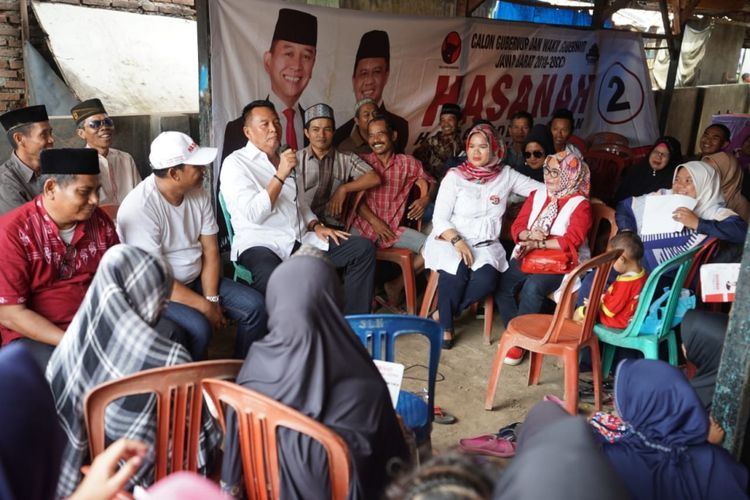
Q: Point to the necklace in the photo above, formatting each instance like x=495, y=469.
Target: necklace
x=653, y=173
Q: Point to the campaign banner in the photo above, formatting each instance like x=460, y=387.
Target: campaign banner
x=412, y=65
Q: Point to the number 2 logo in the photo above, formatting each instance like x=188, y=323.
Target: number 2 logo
x=620, y=97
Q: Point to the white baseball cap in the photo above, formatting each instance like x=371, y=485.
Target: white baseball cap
x=170, y=149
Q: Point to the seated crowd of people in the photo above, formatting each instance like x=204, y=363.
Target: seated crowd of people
x=92, y=299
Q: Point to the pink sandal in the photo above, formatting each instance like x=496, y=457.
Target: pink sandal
x=489, y=444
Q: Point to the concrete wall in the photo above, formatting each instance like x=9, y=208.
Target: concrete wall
x=693, y=107
x=719, y=65
x=133, y=134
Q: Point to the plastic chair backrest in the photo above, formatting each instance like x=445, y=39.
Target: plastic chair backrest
x=600, y=213
x=606, y=169
x=227, y=218
x=179, y=408
x=640, y=153
x=578, y=142
x=240, y=271
x=258, y=418
x=375, y=329
x=608, y=138
x=680, y=263
x=564, y=310
x=616, y=149
x=111, y=210
x=704, y=254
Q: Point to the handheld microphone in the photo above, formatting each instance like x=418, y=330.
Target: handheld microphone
x=283, y=148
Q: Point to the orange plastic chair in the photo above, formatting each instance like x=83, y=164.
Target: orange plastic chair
x=601, y=213
x=606, y=170
x=111, y=210
x=430, y=298
x=399, y=256
x=259, y=417
x=558, y=335
x=179, y=408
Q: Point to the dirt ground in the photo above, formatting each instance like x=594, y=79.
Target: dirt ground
x=462, y=380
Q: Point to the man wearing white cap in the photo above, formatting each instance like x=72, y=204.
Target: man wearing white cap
x=170, y=213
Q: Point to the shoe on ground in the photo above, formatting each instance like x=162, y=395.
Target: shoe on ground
x=514, y=356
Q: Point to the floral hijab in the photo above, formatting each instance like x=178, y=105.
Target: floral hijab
x=574, y=179
x=488, y=172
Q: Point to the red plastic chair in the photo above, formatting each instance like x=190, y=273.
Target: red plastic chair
x=578, y=142
x=259, y=417
x=640, y=153
x=430, y=299
x=693, y=281
x=616, y=149
x=111, y=210
x=179, y=408
x=607, y=138
x=601, y=213
x=606, y=171
x=558, y=335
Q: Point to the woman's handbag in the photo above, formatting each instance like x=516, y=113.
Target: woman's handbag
x=549, y=261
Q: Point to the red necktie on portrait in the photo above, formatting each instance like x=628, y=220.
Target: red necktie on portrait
x=291, y=134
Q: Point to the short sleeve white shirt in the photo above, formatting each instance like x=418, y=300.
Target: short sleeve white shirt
x=147, y=220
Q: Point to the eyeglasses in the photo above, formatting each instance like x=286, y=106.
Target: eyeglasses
x=553, y=174
x=660, y=154
x=68, y=263
x=97, y=124
x=536, y=154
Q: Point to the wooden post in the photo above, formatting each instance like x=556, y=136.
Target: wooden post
x=673, y=45
x=24, y=8
x=731, y=403
x=205, y=126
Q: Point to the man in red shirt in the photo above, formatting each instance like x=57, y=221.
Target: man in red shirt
x=51, y=247
x=381, y=212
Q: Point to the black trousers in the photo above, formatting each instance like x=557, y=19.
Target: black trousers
x=356, y=256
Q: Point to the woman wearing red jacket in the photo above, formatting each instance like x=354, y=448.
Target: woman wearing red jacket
x=559, y=217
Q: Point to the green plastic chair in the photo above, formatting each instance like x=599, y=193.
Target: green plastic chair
x=240, y=271
x=630, y=337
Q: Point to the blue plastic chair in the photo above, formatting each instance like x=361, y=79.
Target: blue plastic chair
x=375, y=329
x=631, y=336
x=240, y=271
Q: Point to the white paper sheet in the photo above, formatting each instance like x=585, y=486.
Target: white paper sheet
x=658, y=213
x=393, y=374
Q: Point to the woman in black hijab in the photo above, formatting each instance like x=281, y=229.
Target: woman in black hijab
x=536, y=149
x=655, y=172
x=313, y=362
x=703, y=338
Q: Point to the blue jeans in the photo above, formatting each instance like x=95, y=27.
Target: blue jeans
x=240, y=303
x=532, y=291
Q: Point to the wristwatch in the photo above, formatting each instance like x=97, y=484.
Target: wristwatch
x=213, y=298
x=456, y=239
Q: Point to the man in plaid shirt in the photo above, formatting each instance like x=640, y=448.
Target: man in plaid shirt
x=381, y=212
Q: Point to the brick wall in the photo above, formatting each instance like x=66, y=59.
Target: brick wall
x=12, y=87
x=12, y=84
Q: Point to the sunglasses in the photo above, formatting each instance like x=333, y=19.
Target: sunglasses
x=97, y=124
x=535, y=154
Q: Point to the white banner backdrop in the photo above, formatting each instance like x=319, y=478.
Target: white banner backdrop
x=492, y=69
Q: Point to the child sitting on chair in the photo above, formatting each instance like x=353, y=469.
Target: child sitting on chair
x=620, y=301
